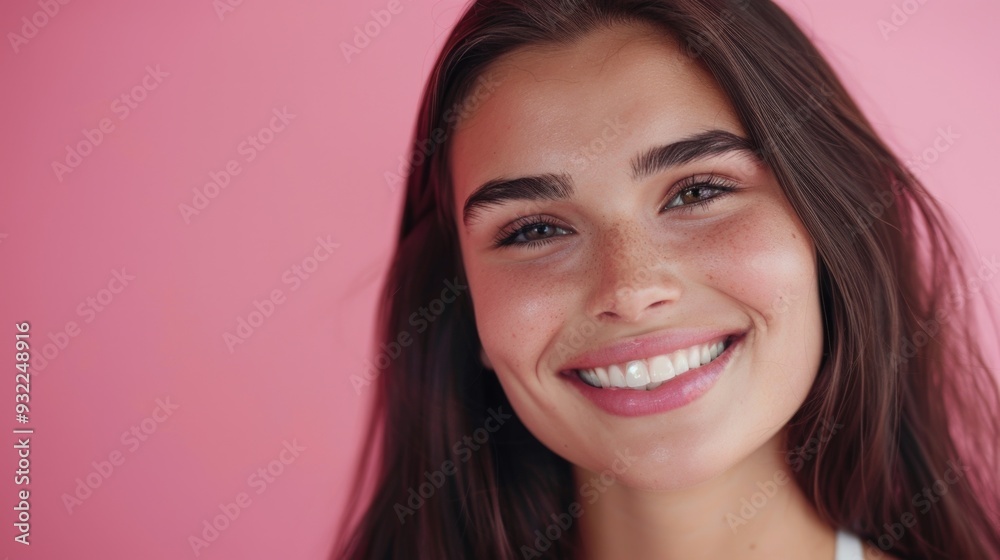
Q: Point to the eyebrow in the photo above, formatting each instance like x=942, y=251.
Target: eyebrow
x=558, y=186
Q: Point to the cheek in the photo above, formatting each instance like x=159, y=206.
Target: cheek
x=765, y=264
x=518, y=309
x=764, y=260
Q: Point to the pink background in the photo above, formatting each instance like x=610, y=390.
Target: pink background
x=320, y=175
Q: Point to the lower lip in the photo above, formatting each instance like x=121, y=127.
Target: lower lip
x=674, y=393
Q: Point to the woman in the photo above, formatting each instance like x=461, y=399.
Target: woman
x=696, y=308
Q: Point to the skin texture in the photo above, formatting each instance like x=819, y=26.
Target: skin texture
x=618, y=264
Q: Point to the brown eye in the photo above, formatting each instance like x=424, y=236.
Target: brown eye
x=698, y=191
x=696, y=194
x=529, y=232
x=538, y=231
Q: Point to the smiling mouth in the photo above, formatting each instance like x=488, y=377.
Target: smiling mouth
x=649, y=373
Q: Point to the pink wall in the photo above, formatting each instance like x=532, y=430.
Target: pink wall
x=179, y=89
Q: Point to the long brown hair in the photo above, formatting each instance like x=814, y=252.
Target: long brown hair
x=901, y=373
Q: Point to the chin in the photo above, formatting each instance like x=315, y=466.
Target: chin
x=658, y=465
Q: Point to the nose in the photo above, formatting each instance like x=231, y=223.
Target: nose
x=634, y=278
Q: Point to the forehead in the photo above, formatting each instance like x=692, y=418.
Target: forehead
x=552, y=103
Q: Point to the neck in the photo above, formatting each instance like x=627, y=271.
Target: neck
x=754, y=509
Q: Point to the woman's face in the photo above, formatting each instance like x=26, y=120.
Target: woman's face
x=641, y=235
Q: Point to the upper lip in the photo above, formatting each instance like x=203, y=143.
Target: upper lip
x=646, y=346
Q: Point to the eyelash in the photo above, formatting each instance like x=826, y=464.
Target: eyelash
x=506, y=237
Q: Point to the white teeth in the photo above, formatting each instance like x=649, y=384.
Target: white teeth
x=636, y=374
x=680, y=362
x=617, y=377
x=650, y=373
x=602, y=375
x=590, y=377
x=660, y=369
x=694, y=357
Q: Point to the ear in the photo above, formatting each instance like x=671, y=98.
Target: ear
x=484, y=358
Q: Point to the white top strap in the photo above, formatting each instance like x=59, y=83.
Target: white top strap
x=848, y=547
